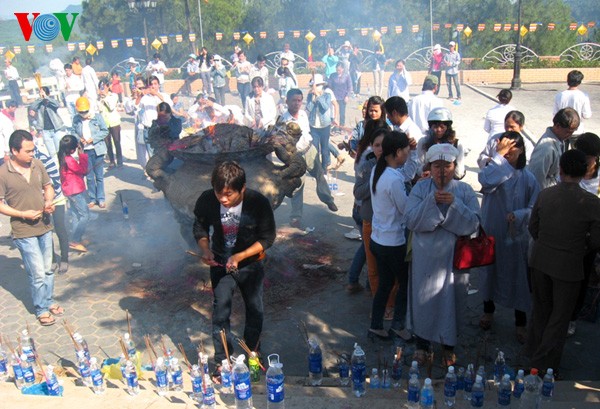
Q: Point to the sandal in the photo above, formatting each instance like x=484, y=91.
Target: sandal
x=485, y=322
x=57, y=310
x=102, y=205
x=389, y=314
x=91, y=205
x=46, y=319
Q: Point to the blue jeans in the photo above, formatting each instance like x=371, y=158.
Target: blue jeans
x=80, y=215
x=52, y=140
x=449, y=79
x=244, y=90
x=360, y=256
x=36, y=253
x=321, y=142
x=95, y=177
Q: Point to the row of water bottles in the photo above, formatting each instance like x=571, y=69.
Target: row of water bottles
x=242, y=384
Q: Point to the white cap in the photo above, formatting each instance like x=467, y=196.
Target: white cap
x=160, y=360
x=437, y=47
x=192, y=55
x=427, y=381
x=217, y=57
x=450, y=369
x=451, y=43
x=441, y=151
x=93, y=360
x=319, y=80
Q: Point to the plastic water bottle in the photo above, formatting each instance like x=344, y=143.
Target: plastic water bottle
x=226, y=382
x=386, y=383
x=450, y=388
x=315, y=362
x=460, y=380
x=130, y=345
x=97, y=377
x=477, y=397
x=531, y=393
x=397, y=371
x=548, y=386
x=254, y=366
x=374, y=379
x=28, y=347
x=359, y=371
x=84, y=368
x=241, y=384
x=28, y=374
x=133, y=388
x=414, y=370
x=125, y=209
x=160, y=372
x=344, y=370
x=83, y=344
x=427, y=398
x=196, y=374
x=123, y=366
x=481, y=372
x=202, y=362
x=15, y=363
x=519, y=384
x=52, y=382
x=414, y=392
x=177, y=375
x=275, y=383
x=499, y=368
x=3, y=365
x=168, y=360
x=469, y=381
x=208, y=394
x=504, y=392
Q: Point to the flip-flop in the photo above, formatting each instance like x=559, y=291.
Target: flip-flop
x=57, y=310
x=46, y=319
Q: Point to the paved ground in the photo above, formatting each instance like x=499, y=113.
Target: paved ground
x=167, y=293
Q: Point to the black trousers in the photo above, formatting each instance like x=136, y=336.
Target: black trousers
x=114, y=132
x=15, y=92
x=249, y=280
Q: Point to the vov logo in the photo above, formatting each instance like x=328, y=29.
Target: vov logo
x=47, y=26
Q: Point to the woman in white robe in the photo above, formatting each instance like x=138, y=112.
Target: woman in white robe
x=438, y=211
x=509, y=193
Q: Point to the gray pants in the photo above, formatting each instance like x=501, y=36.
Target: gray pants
x=315, y=170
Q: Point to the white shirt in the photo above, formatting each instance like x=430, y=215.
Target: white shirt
x=73, y=87
x=306, y=138
x=90, y=82
x=261, y=72
x=410, y=128
x=268, y=110
x=6, y=129
x=494, y=119
x=576, y=99
x=193, y=67
x=420, y=106
x=389, y=204
x=148, y=107
x=157, y=69
x=11, y=73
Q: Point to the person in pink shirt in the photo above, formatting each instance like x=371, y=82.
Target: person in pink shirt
x=72, y=173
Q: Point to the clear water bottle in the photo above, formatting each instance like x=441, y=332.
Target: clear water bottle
x=196, y=374
x=203, y=362
x=519, y=384
x=414, y=392
x=254, y=366
x=83, y=366
x=168, y=360
x=226, y=381
x=123, y=367
x=315, y=362
x=241, y=384
x=133, y=387
x=28, y=373
x=504, y=392
x=374, y=381
x=386, y=383
x=469, y=381
x=208, y=394
x=477, y=394
x=481, y=372
x=397, y=371
x=275, y=383
x=344, y=370
x=28, y=347
x=548, y=386
x=531, y=393
x=359, y=371
x=83, y=344
x=130, y=345
x=414, y=370
x=460, y=380
x=450, y=388
x=177, y=374
x=3, y=365
x=52, y=381
x=499, y=368
x=15, y=363
x=97, y=377
x=160, y=372
x=427, y=397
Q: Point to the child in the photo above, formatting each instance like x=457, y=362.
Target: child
x=116, y=87
x=71, y=177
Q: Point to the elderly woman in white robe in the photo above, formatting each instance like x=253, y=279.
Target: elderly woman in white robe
x=509, y=193
x=438, y=211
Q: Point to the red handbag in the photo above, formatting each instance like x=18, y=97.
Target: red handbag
x=471, y=252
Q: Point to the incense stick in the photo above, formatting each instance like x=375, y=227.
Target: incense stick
x=124, y=349
x=149, y=350
x=128, y=324
x=185, y=359
x=224, y=342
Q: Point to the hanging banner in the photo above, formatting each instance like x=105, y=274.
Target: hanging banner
x=156, y=44
x=310, y=37
x=9, y=54
x=280, y=34
x=384, y=30
x=523, y=31
x=398, y=29
x=460, y=27
x=296, y=34
x=236, y=36
x=364, y=31
x=49, y=48
x=573, y=26
x=515, y=27
x=341, y=32
x=468, y=31
x=114, y=43
x=480, y=27
x=497, y=27
x=100, y=44
x=248, y=38
x=262, y=34
x=192, y=37
x=415, y=28
x=323, y=33
x=436, y=26
x=582, y=30
x=71, y=46
x=551, y=26
x=164, y=39
x=129, y=42
x=16, y=49
x=179, y=37
x=591, y=24
x=31, y=49
x=507, y=26
x=143, y=40
x=219, y=36
x=448, y=25
x=81, y=46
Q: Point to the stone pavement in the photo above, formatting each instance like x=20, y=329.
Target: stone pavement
x=140, y=265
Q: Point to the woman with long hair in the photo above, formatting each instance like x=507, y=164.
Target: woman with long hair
x=509, y=193
x=375, y=118
x=72, y=173
x=388, y=237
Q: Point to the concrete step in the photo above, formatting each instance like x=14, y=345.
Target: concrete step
x=577, y=395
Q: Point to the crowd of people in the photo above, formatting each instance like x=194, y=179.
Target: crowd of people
x=410, y=204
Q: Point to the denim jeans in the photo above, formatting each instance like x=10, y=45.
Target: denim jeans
x=244, y=90
x=52, y=140
x=449, y=79
x=391, y=266
x=95, y=177
x=36, y=253
x=342, y=106
x=80, y=215
x=250, y=282
x=321, y=142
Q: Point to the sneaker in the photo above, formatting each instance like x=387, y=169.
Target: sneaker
x=572, y=328
x=353, y=235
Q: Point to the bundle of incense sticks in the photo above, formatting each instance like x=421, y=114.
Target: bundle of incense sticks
x=7, y=342
x=185, y=359
x=150, y=349
x=128, y=324
x=224, y=341
x=124, y=349
x=250, y=352
x=70, y=332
